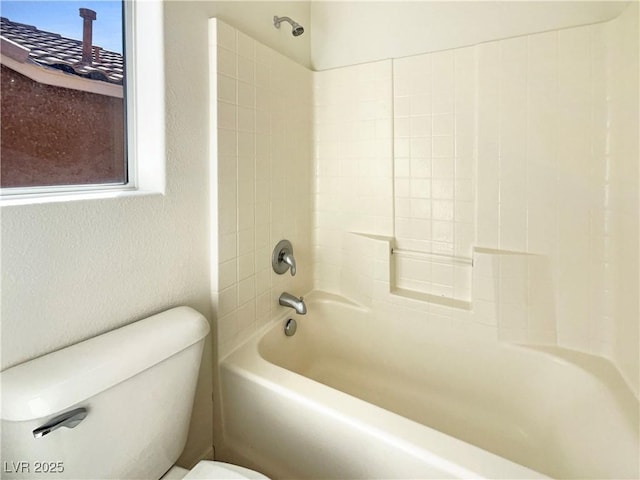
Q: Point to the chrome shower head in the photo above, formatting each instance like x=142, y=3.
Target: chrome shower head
x=296, y=28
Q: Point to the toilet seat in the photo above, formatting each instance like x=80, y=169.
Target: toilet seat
x=208, y=470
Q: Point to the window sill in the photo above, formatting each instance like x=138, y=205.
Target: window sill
x=48, y=197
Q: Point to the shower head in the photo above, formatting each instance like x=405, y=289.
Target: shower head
x=296, y=28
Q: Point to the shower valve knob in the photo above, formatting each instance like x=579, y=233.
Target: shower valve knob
x=282, y=258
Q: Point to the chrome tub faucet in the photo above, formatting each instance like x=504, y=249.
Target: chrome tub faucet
x=288, y=300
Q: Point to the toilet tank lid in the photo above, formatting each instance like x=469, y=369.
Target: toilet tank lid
x=61, y=379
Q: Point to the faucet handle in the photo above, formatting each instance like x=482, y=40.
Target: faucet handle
x=282, y=258
x=289, y=260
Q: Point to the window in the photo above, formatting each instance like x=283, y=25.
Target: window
x=64, y=101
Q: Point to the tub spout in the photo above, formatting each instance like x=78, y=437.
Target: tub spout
x=288, y=300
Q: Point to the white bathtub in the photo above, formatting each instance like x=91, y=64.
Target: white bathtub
x=355, y=394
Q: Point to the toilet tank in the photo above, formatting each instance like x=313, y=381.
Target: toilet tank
x=137, y=384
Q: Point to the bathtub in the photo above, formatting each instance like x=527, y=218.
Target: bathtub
x=360, y=394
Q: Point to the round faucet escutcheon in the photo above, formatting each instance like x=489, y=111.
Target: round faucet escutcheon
x=282, y=258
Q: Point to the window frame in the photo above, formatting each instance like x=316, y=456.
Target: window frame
x=145, y=152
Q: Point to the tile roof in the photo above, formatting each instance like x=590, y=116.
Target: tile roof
x=52, y=50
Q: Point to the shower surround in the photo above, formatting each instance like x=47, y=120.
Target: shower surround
x=524, y=146
x=262, y=166
x=491, y=189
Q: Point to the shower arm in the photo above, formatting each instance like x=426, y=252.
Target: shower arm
x=278, y=20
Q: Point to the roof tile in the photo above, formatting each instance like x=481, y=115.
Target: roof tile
x=52, y=50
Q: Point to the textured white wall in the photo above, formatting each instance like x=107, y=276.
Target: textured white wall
x=352, y=32
x=72, y=270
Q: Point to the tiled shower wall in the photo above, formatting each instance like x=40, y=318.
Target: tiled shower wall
x=542, y=122
x=434, y=99
x=526, y=145
x=261, y=172
x=353, y=162
x=620, y=236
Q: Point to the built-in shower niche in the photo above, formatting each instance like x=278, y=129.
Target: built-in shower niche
x=512, y=291
x=433, y=278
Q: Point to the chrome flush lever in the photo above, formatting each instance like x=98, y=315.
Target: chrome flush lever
x=68, y=419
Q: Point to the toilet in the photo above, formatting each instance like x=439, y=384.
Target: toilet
x=116, y=406
x=207, y=469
